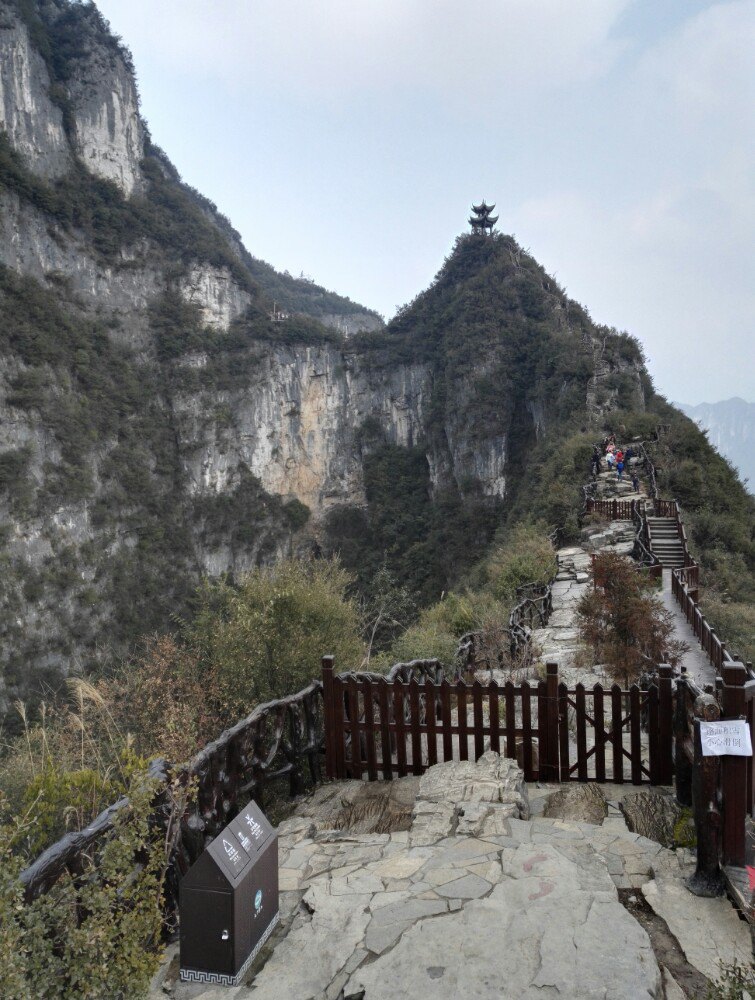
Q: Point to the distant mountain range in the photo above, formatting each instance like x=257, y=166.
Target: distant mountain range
x=731, y=430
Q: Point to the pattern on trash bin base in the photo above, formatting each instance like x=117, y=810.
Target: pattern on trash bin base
x=197, y=976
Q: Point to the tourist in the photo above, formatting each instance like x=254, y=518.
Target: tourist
x=619, y=469
x=629, y=455
x=635, y=482
x=619, y=455
x=611, y=459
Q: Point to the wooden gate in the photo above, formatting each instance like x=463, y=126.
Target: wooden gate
x=375, y=728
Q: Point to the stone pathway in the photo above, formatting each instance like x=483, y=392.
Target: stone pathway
x=699, y=667
x=475, y=899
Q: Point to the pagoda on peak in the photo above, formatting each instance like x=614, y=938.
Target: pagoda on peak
x=481, y=220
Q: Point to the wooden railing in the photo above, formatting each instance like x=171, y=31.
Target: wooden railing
x=533, y=609
x=617, y=510
x=721, y=789
x=281, y=740
x=642, y=553
x=376, y=728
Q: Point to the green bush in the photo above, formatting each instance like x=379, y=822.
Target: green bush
x=265, y=637
x=526, y=556
x=95, y=937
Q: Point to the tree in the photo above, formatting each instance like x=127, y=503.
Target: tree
x=386, y=609
x=625, y=625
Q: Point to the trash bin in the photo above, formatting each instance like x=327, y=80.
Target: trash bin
x=228, y=901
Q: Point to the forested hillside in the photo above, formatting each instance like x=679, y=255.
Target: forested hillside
x=160, y=423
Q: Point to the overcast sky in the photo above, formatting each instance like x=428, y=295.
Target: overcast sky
x=347, y=139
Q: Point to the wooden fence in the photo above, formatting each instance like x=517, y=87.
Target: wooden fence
x=617, y=510
x=381, y=728
x=725, y=788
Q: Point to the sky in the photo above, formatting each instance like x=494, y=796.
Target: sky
x=346, y=140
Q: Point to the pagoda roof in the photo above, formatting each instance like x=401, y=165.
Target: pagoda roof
x=483, y=208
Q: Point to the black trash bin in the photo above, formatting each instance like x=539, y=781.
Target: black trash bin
x=228, y=901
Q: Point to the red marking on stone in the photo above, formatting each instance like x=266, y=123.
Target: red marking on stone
x=751, y=876
x=527, y=866
x=545, y=888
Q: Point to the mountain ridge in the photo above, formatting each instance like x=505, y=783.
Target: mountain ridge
x=159, y=424
x=730, y=425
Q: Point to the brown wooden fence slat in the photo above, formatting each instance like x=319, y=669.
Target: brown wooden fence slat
x=430, y=720
x=616, y=735
x=369, y=728
x=634, y=734
x=600, y=732
x=510, y=721
x=331, y=754
x=398, y=712
x=526, y=733
x=339, y=715
x=385, y=733
x=665, y=724
x=563, y=730
x=479, y=736
x=542, y=731
x=581, y=733
x=653, y=734
x=445, y=719
x=415, y=723
x=461, y=716
x=551, y=705
x=495, y=723
x=356, y=749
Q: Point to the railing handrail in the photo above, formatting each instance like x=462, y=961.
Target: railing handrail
x=44, y=871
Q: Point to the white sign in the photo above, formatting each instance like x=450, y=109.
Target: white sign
x=730, y=738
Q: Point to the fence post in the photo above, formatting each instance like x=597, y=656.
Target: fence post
x=682, y=764
x=707, y=880
x=734, y=769
x=666, y=724
x=328, y=717
x=552, y=771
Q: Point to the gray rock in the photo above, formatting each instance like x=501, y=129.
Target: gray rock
x=362, y=806
x=538, y=933
x=492, y=778
x=316, y=949
x=583, y=803
x=653, y=815
x=709, y=931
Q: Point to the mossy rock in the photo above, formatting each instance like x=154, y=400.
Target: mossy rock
x=685, y=834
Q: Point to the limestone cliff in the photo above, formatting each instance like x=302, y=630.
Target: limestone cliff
x=158, y=421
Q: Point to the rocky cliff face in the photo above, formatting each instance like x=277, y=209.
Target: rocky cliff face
x=155, y=422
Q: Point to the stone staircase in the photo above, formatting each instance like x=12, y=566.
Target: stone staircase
x=665, y=542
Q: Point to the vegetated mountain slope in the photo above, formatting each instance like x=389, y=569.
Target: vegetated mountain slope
x=509, y=364
x=730, y=425
x=131, y=321
x=156, y=425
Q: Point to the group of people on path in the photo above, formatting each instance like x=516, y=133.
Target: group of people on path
x=617, y=459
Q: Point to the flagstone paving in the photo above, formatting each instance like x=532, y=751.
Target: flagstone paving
x=482, y=901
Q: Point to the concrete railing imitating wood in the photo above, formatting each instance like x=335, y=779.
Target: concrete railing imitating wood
x=279, y=740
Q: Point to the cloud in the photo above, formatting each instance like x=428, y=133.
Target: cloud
x=338, y=50
x=705, y=70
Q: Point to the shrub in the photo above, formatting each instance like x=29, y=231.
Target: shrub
x=96, y=936
x=626, y=627
x=526, y=556
x=160, y=699
x=264, y=638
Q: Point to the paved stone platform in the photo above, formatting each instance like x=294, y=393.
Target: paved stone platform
x=474, y=899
